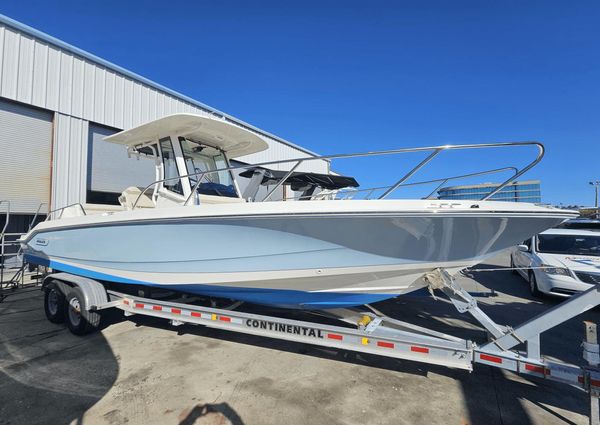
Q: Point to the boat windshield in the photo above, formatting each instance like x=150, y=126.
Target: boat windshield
x=569, y=244
x=201, y=158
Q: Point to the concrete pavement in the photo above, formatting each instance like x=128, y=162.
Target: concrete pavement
x=142, y=371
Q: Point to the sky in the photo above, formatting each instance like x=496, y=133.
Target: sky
x=353, y=76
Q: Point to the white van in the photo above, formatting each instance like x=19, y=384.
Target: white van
x=559, y=262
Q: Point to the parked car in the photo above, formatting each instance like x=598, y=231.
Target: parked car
x=581, y=223
x=559, y=262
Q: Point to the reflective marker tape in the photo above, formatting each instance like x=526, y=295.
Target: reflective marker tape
x=593, y=382
x=492, y=359
x=157, y=307
x=196, y=314
x=225, y=319
x=419, y=349
x=175, y=311
x=534, y=368
x=385, y=344
x=139, y=305
x=335, y=336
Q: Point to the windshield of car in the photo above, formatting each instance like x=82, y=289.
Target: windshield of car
x=569, y=244
x=201, y=158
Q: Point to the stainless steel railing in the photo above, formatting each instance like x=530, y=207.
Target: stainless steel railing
x=35, y=216
x=61, y=210
x=441, y=181
x=434, y=151
x=12, y=263
x=3, y=242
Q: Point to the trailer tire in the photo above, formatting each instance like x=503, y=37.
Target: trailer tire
x=54, y=303
x=513, y=269
x=533, y=286
x=79, y=320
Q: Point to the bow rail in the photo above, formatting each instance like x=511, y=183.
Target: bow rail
x=434, y=151
x=442, y=181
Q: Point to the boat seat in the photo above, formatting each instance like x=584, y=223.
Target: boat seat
x=130, y=195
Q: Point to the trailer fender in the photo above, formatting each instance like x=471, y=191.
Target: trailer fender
x=93, y=291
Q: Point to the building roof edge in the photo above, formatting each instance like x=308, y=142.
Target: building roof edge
x=103, y=62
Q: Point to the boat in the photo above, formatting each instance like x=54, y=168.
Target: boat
x=193, y=231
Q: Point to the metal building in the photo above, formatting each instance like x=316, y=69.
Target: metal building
x=57, y=102
x=522, y=191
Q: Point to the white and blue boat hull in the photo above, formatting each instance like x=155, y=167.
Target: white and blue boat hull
x=309, y=261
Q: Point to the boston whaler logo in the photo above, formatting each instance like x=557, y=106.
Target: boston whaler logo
x=284, y=328
x=41, y=241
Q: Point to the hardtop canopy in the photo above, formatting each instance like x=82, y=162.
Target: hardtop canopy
x=234, y=140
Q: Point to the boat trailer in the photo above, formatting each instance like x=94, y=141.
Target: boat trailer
x=80, y=301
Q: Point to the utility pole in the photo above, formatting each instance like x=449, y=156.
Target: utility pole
x=596, y=184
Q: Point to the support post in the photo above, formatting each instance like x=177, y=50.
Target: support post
x=550, y=318
x=533, y=347
x=462, y=300
x=590, y=354
x=254, y=185
x=282, y=181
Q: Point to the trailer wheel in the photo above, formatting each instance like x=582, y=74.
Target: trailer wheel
x=54, y=303
x=79, y=320
x=512, y=267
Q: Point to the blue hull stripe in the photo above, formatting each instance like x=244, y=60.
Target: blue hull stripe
x=275, y=297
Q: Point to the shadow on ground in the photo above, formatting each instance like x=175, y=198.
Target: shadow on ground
x=220, y=413
x=491, y=395
x=48, y=375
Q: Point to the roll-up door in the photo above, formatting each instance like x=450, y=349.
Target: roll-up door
x=111, y=170
x=25, y=157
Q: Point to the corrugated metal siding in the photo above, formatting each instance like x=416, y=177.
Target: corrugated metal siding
x=35, y=72
x=77, y=87
x=10, y=64
x=25, y=143
x=70, y=160
x=40, y=72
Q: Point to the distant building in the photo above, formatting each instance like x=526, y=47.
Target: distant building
x=523, y=191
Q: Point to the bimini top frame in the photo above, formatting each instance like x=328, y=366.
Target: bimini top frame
x=433, y=151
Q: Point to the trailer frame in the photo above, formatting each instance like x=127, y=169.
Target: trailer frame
x=370, y=331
